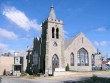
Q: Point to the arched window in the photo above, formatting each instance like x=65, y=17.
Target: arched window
x=53, y=31
x=72, y=59
x=55, y=61
x=93, y=60
x=57, y=33
x=82, y=57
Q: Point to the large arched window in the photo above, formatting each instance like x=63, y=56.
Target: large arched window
x=82, y=57
x=57, y=33
x=53, y=31
x=72, y=59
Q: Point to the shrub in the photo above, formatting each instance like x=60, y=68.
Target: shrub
x=67, y=67
x=4, y=72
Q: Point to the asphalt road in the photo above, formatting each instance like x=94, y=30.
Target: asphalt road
x=67, y=79
x=41, y=80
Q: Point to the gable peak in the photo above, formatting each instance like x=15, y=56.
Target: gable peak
x=81, y=33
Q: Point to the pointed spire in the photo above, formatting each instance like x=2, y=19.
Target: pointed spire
x=52, y=13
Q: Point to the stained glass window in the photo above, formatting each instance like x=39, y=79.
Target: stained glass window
x=82, y=57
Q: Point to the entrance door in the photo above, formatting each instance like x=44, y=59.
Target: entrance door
x=55, y=62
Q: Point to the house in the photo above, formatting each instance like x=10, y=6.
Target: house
x=20, y=62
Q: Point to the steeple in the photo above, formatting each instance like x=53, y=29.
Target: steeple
x=52, y=13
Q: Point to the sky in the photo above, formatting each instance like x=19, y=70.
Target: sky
x=21, y=20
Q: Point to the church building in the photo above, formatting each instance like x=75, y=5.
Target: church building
x=52, y=51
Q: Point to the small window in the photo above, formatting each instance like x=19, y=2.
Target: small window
x=82, y=39
x=53, y=30
x=57, y=33
x=72, y=59
x=17, y=60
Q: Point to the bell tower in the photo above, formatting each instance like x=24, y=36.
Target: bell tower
x=52, y=39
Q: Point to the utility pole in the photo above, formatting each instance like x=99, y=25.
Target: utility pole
x=107, y=56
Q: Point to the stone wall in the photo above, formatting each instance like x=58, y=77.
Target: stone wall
x=76, y=44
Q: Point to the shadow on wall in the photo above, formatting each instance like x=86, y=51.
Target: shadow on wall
x=93, y=79
x=0, y=79
x=4, y=72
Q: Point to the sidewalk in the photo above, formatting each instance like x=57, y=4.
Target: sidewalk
x=81, y=74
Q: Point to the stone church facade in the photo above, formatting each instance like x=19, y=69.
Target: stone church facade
x=52, y=51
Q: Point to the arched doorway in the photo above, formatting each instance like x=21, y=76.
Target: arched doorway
x=55, y=62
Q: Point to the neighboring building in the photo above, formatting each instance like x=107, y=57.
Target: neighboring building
x=20, y=62
x=6, y=63
x=105, y=65
x=52, y=51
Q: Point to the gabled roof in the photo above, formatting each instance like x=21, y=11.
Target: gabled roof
x=70, y=40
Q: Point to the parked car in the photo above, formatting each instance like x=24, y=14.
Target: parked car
x=94, y=68
x=107, y=66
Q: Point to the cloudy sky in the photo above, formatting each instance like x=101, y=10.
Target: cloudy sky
x=20, y=21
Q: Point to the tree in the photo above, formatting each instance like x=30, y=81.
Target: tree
x=4, y=72
x=7, y=54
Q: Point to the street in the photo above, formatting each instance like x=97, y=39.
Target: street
x=20, y=80
x=61, y=79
